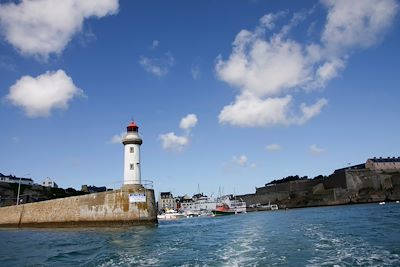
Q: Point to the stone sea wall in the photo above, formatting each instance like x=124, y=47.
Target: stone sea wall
x=347, y=187
x=99, y=209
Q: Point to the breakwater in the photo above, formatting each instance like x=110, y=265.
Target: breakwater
x=348, y=186
x=132, y=204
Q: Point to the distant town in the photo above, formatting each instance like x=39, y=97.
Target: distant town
x=378, y=179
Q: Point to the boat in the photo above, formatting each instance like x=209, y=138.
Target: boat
x=200, y=205
x=191, y=214
x=270, y=206
x=222, y=209
x=170, y=215
x=228, y=205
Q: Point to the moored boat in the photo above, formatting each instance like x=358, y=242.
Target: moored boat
x=229, y=206
x=170, y=215
x=223, y=209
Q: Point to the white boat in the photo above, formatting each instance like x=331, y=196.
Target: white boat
x=270, y=206
x=259, y=207
x=170, y=215
x=382, y=203
x=200, y=205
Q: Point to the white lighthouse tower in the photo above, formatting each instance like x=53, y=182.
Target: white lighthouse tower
x=132, y=142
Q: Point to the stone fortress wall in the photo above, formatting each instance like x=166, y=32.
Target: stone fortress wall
x=344, y=186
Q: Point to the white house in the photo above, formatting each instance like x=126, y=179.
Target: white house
x=49, y=183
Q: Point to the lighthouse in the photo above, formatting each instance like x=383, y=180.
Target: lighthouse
x=132, y=142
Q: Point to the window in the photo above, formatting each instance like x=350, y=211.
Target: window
x=132, y=166
x=132, y=149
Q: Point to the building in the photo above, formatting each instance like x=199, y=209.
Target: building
x=166, y=201
x=49, y=183
x=383, y=164
x=132, y=142
x=184, y=203
x=15, y=180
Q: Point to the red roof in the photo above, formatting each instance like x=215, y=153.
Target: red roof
x=132, y=124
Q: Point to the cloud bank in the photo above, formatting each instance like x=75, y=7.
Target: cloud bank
x=38, y=96
x=269, y=68
x=40, y=28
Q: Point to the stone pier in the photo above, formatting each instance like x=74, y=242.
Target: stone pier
x=130, y=205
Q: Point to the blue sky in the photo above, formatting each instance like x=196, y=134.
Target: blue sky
x=226, y=93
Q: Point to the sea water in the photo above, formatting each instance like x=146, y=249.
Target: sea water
x=356, y=235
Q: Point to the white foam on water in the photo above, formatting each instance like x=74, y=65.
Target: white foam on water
x=127, y=259
x=247, y=248
x=333, y=250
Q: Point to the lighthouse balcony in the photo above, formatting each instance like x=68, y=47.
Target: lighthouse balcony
x=148, y=184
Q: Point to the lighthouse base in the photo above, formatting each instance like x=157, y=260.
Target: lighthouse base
x=130, y=205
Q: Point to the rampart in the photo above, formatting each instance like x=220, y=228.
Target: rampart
x=111, y=208
x=345, y=187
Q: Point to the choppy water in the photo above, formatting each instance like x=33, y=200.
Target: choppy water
x=358, y=235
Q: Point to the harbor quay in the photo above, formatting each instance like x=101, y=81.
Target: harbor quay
x=111, y=208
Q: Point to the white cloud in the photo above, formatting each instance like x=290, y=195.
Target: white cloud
x=251, y=111
x=188, y=122
x=173, y=142
x=15, y=139
x=273, y=147
x=268, y=20
x=352, y=24
x=308, y=112
x=117, y=138
x=270, y=68
x=158, y=66
x=241, y=160
x=40, y=28
x=38, y=96
x=315, y=150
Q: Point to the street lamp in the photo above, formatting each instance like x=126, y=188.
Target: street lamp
x=19, y=187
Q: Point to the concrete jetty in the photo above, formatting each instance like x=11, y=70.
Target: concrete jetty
x=130, y=205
